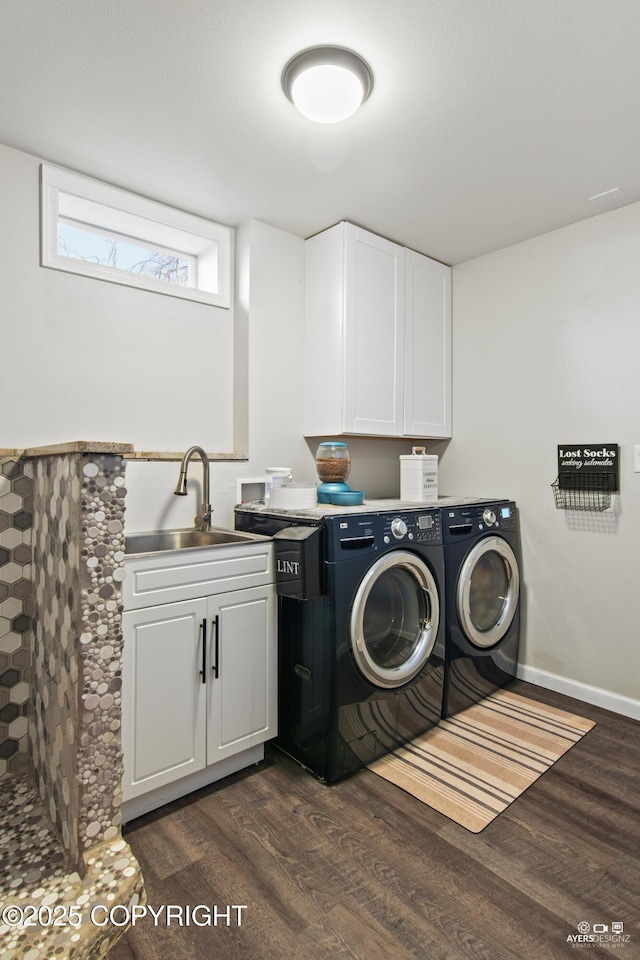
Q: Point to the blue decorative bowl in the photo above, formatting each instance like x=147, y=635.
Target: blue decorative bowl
x=352, y=498
x=326, y=491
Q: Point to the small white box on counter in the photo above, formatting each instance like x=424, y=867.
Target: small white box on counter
x=419, y=477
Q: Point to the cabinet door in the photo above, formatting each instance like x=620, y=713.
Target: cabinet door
x=242, y=668
x=428, y=347
x=374, y=334
x=163, y=695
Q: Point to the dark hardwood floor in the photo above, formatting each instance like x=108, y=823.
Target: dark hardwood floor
x=362, y=870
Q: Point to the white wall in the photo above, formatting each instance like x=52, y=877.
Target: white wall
x=83, y=359
x=546, y=346
x=268, y=341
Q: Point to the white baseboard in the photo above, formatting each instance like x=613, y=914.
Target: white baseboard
x=581, y=691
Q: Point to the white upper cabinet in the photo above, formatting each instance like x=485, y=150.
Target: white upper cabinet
x=373, y=333
x=427, y=368
x=377, y=338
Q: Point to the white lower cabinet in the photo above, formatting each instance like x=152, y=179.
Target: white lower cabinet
x=164, y=735
x=241, y=705
x=199, y=692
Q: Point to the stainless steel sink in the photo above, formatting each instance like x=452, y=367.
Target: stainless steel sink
x=162, y=540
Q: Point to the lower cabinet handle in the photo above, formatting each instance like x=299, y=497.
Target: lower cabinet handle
x=215, y=626
x=203, y=672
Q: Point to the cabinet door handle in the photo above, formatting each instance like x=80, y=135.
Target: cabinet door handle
x=203, y=628
x=215, y=627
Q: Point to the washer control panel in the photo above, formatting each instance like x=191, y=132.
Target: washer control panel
x=362, y=533
x=414, y=527
x=469, y=521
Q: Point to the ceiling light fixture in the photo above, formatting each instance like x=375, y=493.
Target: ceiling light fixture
x=327, y=84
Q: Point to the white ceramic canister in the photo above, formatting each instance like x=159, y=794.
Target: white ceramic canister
x=269, y=474
x=419, y=477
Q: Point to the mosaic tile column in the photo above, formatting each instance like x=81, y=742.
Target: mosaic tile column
x=16, y=505
x=78, y=563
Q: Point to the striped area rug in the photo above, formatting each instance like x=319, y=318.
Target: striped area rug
x=471, y=767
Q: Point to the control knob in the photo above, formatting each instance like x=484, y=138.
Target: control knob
x=398, y=528
x=489, y=517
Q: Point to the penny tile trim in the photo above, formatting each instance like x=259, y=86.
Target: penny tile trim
x=78, y=556
x=61, y=839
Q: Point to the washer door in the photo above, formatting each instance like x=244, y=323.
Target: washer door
x=488, y=587
x=394, y=619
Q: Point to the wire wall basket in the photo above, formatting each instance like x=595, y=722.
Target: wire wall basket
x=589, y=491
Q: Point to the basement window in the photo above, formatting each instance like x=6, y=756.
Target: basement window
x=100, y=231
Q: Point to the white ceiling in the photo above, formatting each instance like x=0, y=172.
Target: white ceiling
x=490, y=121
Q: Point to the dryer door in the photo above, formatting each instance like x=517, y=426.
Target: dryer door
x=487, y=595
x=394, y=619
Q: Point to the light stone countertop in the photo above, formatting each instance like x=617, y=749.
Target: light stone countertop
x=125, y=450
x=369, y=506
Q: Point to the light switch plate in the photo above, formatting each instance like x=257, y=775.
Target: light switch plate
x=636, y=458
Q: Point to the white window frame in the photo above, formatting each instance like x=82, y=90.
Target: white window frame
x=67, y=196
